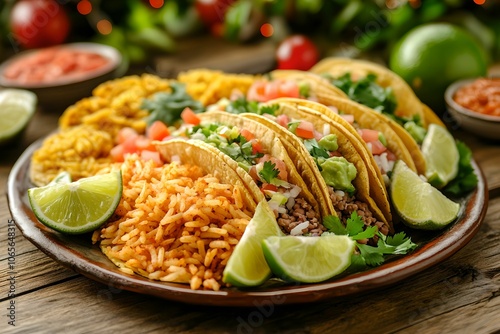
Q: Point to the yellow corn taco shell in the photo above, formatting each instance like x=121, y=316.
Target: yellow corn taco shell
x=319, y=115
x=309, y=171
x=366, y=118
x=212, y=161
x=270, y=144
x=408, y=104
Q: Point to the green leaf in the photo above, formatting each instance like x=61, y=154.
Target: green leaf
x=371, y=255
x=269, y=172
x=354, y=224
x=466, y=180
x=167, y=107
x=334, y=225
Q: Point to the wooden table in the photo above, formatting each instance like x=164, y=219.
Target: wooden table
x=459, y=295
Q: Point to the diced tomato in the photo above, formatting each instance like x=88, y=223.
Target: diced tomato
x=126, y=133
x=263, y=91
x=283, y=120
x=334, y=109
x=256, y=146
x=151, y=155
x=117, y=153
x=253, y=173
x=157, y=131
x=256, y=92
x=268, y=186
x=318, y=135
x=288, y=89
x=305, y=130
x=368, y=135
x=377, y=147
x=348, y=118
x=391, y=156
x=143, y=143
x=247, y=134
x=189, y=117
x=130, y=145
x=279, y=164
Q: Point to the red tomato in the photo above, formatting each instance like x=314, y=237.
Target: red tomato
x=39, y=23
x=368, y=135
x=305, y=130
x=377, y=147
x=256, y=146
x=247, y=134
x=189, y=117
x=297, y=52
x=126, y=133
x=117, y=153
x=263, y=91
x=143, y=143
x=151, y=155
x=257, y=92
x=283, y=120
x=212, y=11
x=268, y=186
x=288, y=89
x=157, y=131
x=279, y=164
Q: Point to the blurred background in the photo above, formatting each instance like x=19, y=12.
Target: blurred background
x=168, y=36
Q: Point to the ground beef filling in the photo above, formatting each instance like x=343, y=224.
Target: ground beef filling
x=301, y=212
x=345, y=205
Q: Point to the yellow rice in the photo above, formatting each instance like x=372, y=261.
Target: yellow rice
x=174, y=224
x=209, y=86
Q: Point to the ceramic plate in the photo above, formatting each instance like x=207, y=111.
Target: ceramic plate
x=78, y=253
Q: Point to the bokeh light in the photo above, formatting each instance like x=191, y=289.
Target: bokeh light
x=104, y=27
x=267, y=29
x=479, y=2
x=84, y=7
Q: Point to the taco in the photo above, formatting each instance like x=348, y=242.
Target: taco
x=263, y=161
x=328, y=159
x=366, y=125
x=384, y=91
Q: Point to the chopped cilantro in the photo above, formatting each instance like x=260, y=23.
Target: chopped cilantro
x=315, y=149
x=269, y=172
x=367, y=92
x=167, y=107
x=243, y=105
x=466, y=180
x=368, y=255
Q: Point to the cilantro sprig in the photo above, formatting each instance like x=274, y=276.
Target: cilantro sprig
x=466, y=180
x=369, y=256
x=269, y=172
x=243, y=105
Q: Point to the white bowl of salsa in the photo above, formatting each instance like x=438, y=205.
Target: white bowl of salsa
x=475, y=105
x=61, y=75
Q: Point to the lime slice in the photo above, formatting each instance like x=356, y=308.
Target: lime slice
x=418, y=203
x=441, y=156
x=247, y=265
x=61, y=178
x=77, y=207
x=17, y=106
x=308, y=259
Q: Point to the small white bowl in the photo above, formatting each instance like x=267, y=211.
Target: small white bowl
x=485, y=126
x=63, y=92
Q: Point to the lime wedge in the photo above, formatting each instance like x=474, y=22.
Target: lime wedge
x=17, y=106
x=308, y=259
x=441, y=156
x=418, y=203
x=61, y=178
x=247, y=265
x=77, y=207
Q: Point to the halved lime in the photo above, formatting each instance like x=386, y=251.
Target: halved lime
x=80, y=206
x=418, y=203
x=247, y=265
x=17, y=106
x=441, y=156
x=308, y=259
